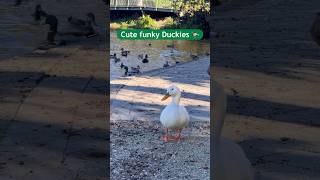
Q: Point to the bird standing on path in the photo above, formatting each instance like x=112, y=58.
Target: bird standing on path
x=166, y=64
x=315, y=29
x=173, y=116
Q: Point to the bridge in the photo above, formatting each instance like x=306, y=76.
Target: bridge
x=143, y=5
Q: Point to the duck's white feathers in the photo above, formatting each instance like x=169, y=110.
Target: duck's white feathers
x=174, y=116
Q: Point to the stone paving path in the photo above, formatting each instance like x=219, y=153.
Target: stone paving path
x=53, y=115
x=269, y=65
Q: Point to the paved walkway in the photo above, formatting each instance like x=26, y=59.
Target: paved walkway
x=53, y=115
x=136, y=148
x=268, y=63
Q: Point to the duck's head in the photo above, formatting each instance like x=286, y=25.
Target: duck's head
x=171, y=91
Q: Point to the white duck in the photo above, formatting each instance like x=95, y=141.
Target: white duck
x=230, y=163
x=173, y=116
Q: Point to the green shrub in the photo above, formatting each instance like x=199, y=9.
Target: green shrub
x=146, y=22
x=124, y=25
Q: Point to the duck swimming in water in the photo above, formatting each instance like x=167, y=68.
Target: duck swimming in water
x=113, y=56
x=140, y=56
x=145, y=60
x=170, y=46
x=116, y=60
x=166, y=64
x=136, y=69
x=124, y=53
x=173, y=116
x=194, y=57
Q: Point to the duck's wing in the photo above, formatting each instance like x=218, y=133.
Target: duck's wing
x=77, y=22
x=183, y=116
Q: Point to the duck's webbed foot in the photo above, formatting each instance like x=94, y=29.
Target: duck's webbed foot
x=167, y=137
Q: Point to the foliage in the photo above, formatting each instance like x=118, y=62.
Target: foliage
x=170, y=22
x=191, y=7
x=193, y=14
x=145, y=21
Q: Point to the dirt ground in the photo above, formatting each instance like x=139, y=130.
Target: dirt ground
x=53, y=107
x=265, y=58
x=137, y=151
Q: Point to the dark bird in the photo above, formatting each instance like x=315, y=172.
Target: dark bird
x=315, y=29
x=76, y=22
x=121, y=65
x=82, y=23
x=140, y=56
x=234, y=92
x=124, y=53
x=113, y=56
x=166, y=64
x=38, y=13
x=170, y=46
x=136, y=69
x=52, y=21
x=116, y=59
x=194, y=57
x=145, y=60
x=84, y=27
x=126, y=70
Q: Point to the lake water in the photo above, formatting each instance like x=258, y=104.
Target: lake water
x=158, y=53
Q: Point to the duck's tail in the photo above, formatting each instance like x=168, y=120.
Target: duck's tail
x=219, y=110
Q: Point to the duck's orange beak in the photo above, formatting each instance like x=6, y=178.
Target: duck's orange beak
x=165, y=96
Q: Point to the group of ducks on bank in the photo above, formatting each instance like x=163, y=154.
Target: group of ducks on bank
x=81, y=27
x=134, y=70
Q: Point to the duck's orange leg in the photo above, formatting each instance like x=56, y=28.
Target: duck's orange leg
x=178, y=136
x=165, y=138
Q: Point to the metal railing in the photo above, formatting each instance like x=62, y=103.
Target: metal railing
x=154, y=4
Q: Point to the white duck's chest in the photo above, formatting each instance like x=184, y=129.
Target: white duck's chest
x=174, y=116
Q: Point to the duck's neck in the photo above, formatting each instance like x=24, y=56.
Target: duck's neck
x=176, y=99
